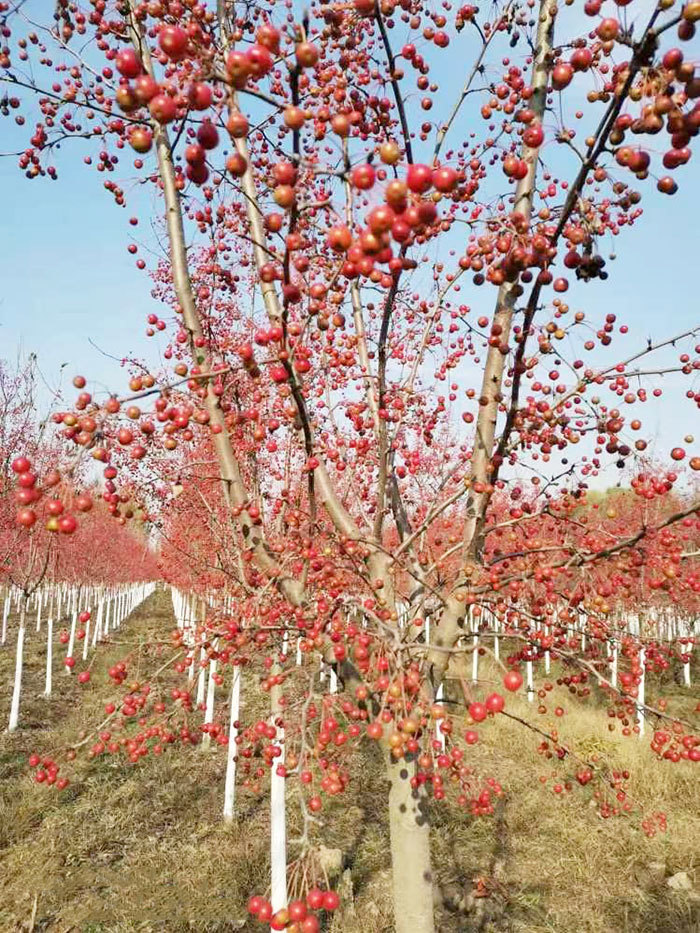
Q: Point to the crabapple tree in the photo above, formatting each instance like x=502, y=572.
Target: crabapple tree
x=387, y=392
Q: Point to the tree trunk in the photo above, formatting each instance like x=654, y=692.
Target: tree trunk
x=278, y=813
x=86, y=640
x=49, y=657
x=211, y=694
x=5, y=614
x=71, y=640
x=201, y=680
x=641, y=716
x=232, y=749
x=19, y=658
x=409, y=829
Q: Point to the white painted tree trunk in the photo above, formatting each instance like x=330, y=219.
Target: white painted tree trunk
x=613, y=665
x=530, y=681
x=687, y=649
x=278, y=819
x=97, y=628
x=640, y=698
x=474, y=620
x=86, y=640
x=232, y=750
x=201, y=682
x=5, y=614
x=17, y=687
x=439, y=734
x=409, y=832
x=71, y=639
x=49, y=656
x=211, y=694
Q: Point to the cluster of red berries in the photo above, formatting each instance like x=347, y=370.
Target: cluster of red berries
x=118, y=672
x=655, y=824
x=672, y=746
x=28, y=494
x=298, y=916
x=47, y=772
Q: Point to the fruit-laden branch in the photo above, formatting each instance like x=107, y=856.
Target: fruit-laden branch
x=450, y=622
x=610, y=373
x=384, y=451
x=604, y=682
x=339, y=515
x=494, y=368
x=582, y=560
x=476, y=69
x=486, y=458
x=357, y=311
x=234, y=487
x=391, y=63
x=377, y=562
x=642, y=50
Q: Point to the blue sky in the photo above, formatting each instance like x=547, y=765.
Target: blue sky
x=67, y=277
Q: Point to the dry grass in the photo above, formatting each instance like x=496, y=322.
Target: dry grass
x=557, y=865
x=144, y=849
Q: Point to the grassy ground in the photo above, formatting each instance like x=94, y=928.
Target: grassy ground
x=143, y=848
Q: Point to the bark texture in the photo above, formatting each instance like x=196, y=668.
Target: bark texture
x=409, y=828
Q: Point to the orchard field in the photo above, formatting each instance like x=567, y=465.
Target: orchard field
x=147, y=849
x=349, y=486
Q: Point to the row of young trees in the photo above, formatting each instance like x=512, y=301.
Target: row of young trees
x=382, y=413
x=69, y=571
x=79, y=617
x=48, y=494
